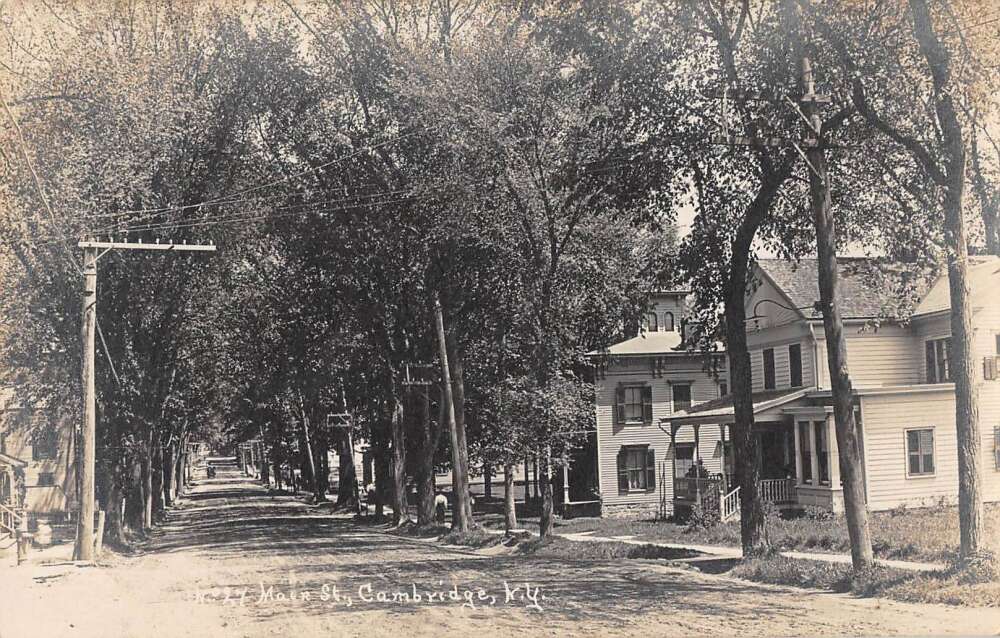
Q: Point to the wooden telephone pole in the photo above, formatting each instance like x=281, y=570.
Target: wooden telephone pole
x=811, y=148
x=84, y=550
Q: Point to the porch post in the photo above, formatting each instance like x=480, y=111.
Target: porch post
x=565, y=487
x=697, y=457
x=813, y=457
x=673, y=460
x=832, y=455
x=722, y=463
x=798, y=455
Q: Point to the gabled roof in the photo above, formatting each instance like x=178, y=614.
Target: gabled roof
x=984, y=281
x=862, y=288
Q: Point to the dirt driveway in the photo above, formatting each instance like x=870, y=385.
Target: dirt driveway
x=237, y=562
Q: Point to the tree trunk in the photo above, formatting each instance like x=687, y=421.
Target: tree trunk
x=487, y=482
x=509, y=512
x=862, y=556
x=753, y=525
x=276, y=465
x=318, y=496
x=158, y=480
x=147, y=484
x=167, y=469
x=113, y=505
x=400, y=515
x=425, y=463
x=545, y=480
x=458, y=380
x=963, y=370
x=347, y=496
x=133, y=496
x=459, y=480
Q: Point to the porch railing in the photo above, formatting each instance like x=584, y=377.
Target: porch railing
x=729, y=508
x=771, y=490
x=777, y=490
x=10, y=519
x=688, y=488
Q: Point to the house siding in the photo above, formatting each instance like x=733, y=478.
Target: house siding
x=886, y=420
x=612, y=437
x=58, y=498
x=780, y=338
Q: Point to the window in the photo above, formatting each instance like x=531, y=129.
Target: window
x=651, y=324
x=46, y=479
x=683, y=459
x=682, y=396
x=668, y=321
x=822, y=451
x=920, y=452
x=938, y=352
x=769, y=369
x=723, y=388
x=636, y=469
x=43, y=445
x=634, y=404
x=998, y=343
x=795, y=364
x=804, y=452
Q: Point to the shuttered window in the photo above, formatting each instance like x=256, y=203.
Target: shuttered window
x=636, y=469
x=769, y=369
x=795, y=364
x=920, y=452
x=634, y=404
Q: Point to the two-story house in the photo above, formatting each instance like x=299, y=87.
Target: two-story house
x=903, y=392
x=37, y=477
x=639, y=383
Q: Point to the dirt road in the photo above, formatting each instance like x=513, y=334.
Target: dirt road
x=237, y=562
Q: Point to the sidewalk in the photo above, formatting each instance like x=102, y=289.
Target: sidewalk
x=735, y=552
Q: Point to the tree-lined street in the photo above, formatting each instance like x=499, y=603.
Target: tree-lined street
x=229, y=533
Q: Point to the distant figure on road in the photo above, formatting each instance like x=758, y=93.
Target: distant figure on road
x=440, y=507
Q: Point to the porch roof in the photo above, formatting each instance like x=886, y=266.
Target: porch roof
x=6, y=459
x=722, y=411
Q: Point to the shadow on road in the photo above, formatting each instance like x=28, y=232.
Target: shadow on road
x=268, y=540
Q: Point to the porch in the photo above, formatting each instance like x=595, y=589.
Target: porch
x=12, y=495
x=795, y=444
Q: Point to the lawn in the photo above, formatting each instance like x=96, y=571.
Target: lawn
x=927, y=534
x=946, y=587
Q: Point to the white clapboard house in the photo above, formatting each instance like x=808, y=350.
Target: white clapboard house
x=663, y=418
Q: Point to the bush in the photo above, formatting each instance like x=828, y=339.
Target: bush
x=779, y=570
x=814, y=513
x=702, y=517
x=476, y=538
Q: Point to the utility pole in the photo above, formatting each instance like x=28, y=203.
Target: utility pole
x=84, y=550
x=812, y=149
x=849, y=449
x=459, y=478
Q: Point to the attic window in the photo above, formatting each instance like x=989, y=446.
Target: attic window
x=668, y=325
x=651, y=324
